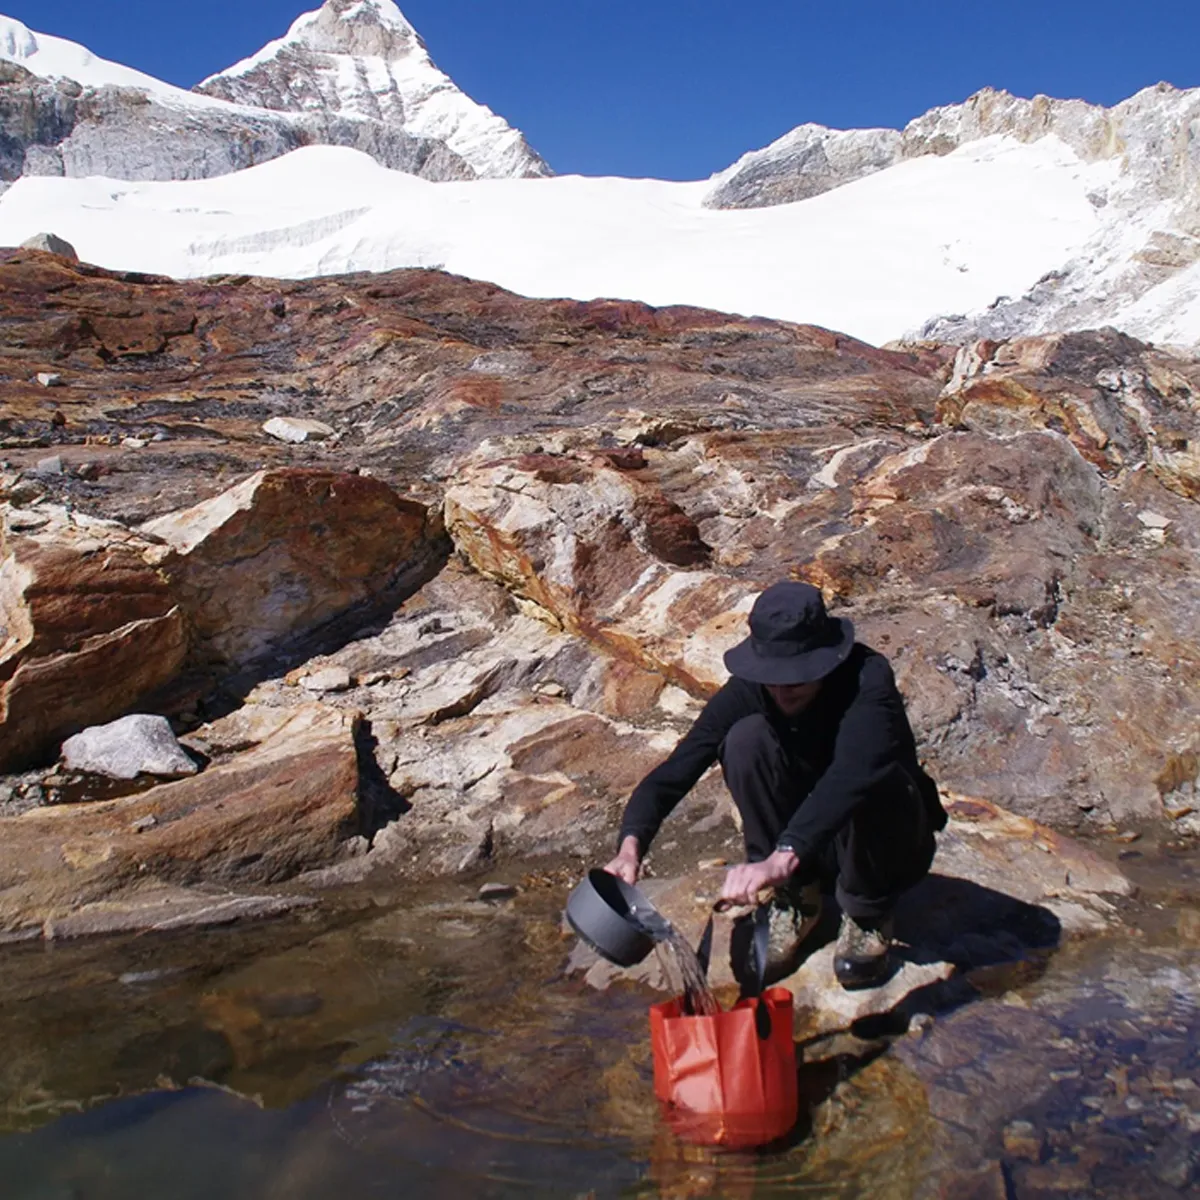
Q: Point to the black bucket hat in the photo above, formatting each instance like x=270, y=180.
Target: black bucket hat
x=792, y=638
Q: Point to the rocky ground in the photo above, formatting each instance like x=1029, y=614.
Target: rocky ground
x=481, y=574
x=430, y=630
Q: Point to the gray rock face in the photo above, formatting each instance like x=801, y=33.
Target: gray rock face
x=124, y=133
x=362, y=59
x=135, y=745
x=54, y=245
x=1150, y=134
x=804, y=163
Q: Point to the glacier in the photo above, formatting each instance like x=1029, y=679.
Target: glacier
x=874, y=259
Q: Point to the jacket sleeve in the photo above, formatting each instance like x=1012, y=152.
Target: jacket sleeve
x=657, y=795
x=868, y=745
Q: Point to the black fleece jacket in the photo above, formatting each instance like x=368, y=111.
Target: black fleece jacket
x=851, y=739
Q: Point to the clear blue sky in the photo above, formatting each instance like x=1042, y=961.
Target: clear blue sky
x=678, y=89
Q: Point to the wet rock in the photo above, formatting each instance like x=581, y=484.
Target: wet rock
x=162, y=908
x=1177, y=1161
x=999, y=893
x=1022, y=1140
x=497, y=891
x=138, y=744
x=52, y=244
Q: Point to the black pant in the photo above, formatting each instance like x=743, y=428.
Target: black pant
x=884, y=848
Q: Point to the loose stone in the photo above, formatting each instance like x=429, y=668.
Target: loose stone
x=140, y=744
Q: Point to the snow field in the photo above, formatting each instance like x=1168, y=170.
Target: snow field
x=873, y=258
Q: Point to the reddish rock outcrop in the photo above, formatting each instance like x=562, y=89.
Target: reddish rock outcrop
x=87, y=628
x=1121, y=403
x=282, y=553
x=1016, y=527
x=96, y=618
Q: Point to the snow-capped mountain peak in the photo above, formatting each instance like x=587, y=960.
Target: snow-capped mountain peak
x=361, y=28
x=57, y=58
x=363, y=58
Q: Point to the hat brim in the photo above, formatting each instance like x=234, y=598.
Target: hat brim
x=744, y=662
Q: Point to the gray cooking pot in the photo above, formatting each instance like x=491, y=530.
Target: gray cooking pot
x=599, y=911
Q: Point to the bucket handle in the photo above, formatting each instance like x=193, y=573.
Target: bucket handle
x=758, y=956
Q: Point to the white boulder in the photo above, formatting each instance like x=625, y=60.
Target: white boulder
x=297, y=429
x=139, y=744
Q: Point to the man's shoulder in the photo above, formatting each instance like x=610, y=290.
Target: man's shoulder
x=870, y=667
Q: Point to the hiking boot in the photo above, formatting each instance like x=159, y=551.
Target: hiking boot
x=795, y=911
x=860, y=958
x=793, y=914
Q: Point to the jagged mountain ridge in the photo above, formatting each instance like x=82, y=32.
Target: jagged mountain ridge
x=66, y=112
x=363, y=58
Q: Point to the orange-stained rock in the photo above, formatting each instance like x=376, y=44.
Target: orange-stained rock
x=264, y=815
x=1026, y=554
x=1120, y=402
x=87, y=628
x=602, y=555
x=282, y=553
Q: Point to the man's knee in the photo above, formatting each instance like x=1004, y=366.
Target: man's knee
x=748, y=741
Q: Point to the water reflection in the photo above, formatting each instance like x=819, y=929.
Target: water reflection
x=433, y=1048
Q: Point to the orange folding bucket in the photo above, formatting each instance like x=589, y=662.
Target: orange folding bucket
x=728, y=1079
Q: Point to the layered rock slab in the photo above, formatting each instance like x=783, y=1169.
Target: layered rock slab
x=287, y=804
x=282, y=553
x=98, y=618
x=87, y=627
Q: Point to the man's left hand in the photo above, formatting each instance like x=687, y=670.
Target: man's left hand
x=743, y=883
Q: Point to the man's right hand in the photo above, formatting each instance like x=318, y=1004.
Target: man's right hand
x=628, y=863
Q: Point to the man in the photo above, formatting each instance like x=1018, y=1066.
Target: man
x=817, y=752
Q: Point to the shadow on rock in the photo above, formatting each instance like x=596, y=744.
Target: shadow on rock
x=362, y=621
x=379, y=803
x=994, y=943
x=948, y=919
